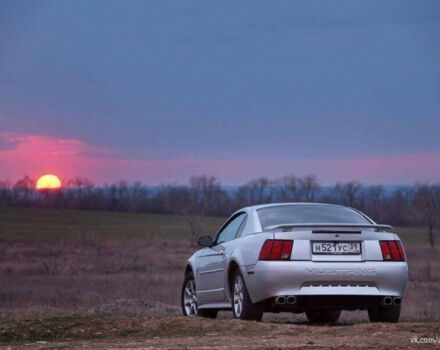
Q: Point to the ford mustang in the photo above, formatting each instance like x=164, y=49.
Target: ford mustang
x=297, y=257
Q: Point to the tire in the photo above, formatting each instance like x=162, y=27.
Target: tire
x=323, y=315
x=384, y=313
x=189, y=300
x=242, y=305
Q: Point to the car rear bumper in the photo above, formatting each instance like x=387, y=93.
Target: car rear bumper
x=269, y=279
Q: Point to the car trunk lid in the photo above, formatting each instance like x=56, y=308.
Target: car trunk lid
x=334, y=244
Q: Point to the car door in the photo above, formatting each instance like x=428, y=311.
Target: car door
x=211, y=263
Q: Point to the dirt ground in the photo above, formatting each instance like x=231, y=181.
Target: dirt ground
x=184, y=333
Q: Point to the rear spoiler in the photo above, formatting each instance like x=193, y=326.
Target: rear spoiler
x=290, y=226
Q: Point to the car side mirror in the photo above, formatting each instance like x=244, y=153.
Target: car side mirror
x=205, y=241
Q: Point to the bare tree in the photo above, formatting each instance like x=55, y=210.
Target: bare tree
x=206, y=194
x=372, y=201
x=24, y=191
x=309, y=188
x=138, y=197
x=201, y=197
x=122, y=196
x=347, y=193
x=288, y=189
x=256, y=191
x=5, y=193
x=79, y=190
x=80, y=183
x=206, y=198
x=296, y=189
x=398, y=207
x=427, y=205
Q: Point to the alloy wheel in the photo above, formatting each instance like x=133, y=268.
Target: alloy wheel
x=238, y=296
x=190, y=298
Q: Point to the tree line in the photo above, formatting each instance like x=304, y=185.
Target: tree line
x=416, y=205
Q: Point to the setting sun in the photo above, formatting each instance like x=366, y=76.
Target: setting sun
x=46, y=182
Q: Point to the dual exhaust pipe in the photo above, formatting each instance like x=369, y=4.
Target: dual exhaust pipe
x=289, y=299
x=392, y=300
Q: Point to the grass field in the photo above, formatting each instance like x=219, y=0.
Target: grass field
x=61, y=271
x=65, y=224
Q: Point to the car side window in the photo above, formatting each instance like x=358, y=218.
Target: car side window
x=229, y=232
x=242, y=226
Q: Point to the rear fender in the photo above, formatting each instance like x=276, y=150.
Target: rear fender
x=245, y=255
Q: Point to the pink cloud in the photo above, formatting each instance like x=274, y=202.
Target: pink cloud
x=36, y=155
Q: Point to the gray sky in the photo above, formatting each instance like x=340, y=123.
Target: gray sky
x=237, y=89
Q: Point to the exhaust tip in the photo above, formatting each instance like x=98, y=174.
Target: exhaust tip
x=397, y=301
x=387, y=301
x=280, y=300
x=291, y=299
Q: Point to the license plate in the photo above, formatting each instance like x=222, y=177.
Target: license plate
x=336, y=248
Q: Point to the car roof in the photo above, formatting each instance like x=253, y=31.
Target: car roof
x=260, y=206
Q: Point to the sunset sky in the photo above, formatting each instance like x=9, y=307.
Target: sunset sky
x=158, y=91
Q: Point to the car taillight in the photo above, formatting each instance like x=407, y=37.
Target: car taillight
x=276, y=249
x=401, y=250
x=392, y=251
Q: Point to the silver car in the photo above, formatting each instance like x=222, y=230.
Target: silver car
x=297, y=257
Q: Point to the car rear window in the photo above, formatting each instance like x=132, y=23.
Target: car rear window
x=309, y=214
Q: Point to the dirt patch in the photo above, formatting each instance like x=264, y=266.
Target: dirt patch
x=180, y=332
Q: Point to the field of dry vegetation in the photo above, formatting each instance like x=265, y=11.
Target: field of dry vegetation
x=124, y=276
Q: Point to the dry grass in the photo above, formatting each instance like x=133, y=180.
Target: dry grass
x=132, y=264
x=44, y=276
x=143, y=278
x=95, y=275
